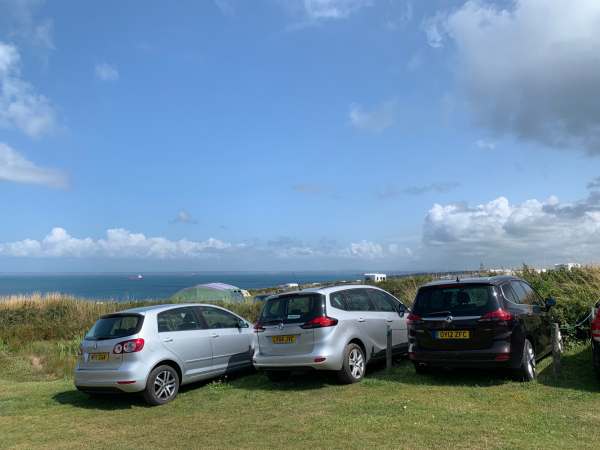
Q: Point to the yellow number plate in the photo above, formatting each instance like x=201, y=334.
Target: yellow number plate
x=98, y=356
x=283, y=339
x=453, y=334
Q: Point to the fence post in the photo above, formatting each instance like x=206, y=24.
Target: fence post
x=555, y=349
x=388, y=349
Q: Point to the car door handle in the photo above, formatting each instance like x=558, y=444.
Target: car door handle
x=168, y=340
x=360, y=319
x=215, y=335
x=389, y=320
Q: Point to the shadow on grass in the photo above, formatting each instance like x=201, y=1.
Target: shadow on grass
x=404, y=372
x=576, y=372
x=105, y=402
x=298, y=381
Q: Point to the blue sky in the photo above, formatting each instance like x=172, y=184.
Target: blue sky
x=289, y=135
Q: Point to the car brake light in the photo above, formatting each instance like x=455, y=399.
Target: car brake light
x=499, y=315
x=258, y=327
x=131, y=346
x=412, y=317
x=320, y=322
x=596, y=326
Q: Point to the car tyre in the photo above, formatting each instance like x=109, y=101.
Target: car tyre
x=354, y=365
x=162, y=385
x=277, y=376
x=527, y=371
x=596, y=358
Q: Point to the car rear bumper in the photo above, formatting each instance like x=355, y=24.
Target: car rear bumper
x=314, y=360
x=109, y=380
x=499, y=355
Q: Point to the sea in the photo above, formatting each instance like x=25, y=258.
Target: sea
x=152, y=286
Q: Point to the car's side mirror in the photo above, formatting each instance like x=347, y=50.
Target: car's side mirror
x=550, y=302
x=242, y=324
x=401, y=310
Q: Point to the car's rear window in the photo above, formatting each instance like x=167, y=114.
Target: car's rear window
x=115, y=326
x=295, y=308
x=456, y=300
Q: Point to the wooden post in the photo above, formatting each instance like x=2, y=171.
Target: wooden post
x=388, y=350
x=555, y=349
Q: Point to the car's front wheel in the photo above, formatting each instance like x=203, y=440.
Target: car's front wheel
x=162, y=385
x=353, y=368
x=527, y=370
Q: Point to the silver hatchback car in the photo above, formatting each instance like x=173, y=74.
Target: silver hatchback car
x=156, y=349
x=338, y=328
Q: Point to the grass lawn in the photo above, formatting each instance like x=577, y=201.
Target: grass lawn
x=400, y=409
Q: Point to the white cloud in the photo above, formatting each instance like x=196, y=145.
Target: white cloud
x=501, y=232
x=184, y=217
x=118, y=243
x=375, y=120
x=22, y=23
x=225, y=6
x=20, y=106
x=16, y=168
x=529, y=68
x=485, y=144
x=366, y=249
x=106, y=72
x=333, y=9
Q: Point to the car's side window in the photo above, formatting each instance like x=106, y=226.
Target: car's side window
x=532, y=298
x=178, y=319
x=358, y=300
x=519, y=291
x=382, y=302
x=509, y=294
x=337, y=300
x=217, y=318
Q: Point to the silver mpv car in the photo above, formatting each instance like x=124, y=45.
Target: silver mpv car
x=156, y=349
x=339, y=328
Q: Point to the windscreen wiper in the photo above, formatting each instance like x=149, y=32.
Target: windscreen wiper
x=437, y=313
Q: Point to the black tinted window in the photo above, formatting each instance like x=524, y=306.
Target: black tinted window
x=295, y=308
x=358, y=300
x=337, y=300
x=217, y=318
x=531, y=297
x=179, y=319
x=461, y=300
x=519, y=291
x=115, y=326
x=382, y=301
x=509, y=294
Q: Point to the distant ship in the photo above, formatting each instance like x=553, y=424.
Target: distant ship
x=139, y=276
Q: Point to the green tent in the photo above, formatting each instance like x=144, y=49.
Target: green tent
x=209, y=292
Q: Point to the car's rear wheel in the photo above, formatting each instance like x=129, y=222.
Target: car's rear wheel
x=353, y=368
x=527, y=371
x=278, y=376
x=162, y=385
x=596, y=358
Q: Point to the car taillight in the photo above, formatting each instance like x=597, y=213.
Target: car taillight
x=131, y=346
x=596, y=326
x=320, y=322
x=499, y=315
x=412, y=317
x=258, y=327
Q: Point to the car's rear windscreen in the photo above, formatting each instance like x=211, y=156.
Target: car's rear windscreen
x=294, y=308
x=455, y=300
x=115, y=326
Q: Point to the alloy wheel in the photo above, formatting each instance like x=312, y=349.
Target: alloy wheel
x=164, y=385
x=530, y=361
x=356, y=361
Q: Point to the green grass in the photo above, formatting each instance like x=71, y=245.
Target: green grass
x=397, y=410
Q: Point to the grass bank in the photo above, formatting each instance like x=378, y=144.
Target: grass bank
x=396, y=410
